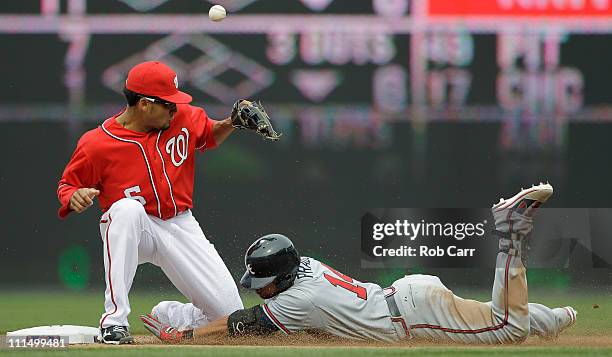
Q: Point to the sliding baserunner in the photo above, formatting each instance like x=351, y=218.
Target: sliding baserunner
x=305, y=294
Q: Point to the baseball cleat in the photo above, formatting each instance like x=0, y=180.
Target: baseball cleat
x=115, y=335
x=566, y=317
x=514, y=218
x=526, y=200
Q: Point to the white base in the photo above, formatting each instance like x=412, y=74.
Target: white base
x=75, y=334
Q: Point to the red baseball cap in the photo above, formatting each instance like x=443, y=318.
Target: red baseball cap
x=157, y=80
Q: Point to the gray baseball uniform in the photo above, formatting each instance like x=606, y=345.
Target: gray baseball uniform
x=415, y=306
x=324, y=299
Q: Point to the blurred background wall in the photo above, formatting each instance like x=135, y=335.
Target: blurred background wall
x=382, y=103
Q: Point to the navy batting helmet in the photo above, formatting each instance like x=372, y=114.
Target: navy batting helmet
x=271, y=258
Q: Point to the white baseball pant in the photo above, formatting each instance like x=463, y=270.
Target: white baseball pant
x=178, y=246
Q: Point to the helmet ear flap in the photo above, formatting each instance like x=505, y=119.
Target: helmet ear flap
x=284, y=282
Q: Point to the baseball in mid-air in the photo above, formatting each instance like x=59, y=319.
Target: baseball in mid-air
x=217, y=13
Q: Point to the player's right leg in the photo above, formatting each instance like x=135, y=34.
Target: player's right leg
x=195, y=268
x=514, y=224
x=125, y=231
x=433, y=311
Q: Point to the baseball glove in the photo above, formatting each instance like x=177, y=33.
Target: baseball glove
x=164, y=332
x=253, y=116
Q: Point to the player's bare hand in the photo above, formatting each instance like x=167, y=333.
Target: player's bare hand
x=82, y=199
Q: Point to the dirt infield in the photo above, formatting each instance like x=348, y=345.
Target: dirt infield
x=316, y=340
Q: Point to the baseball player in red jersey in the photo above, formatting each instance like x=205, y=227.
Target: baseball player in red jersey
x=140, y=165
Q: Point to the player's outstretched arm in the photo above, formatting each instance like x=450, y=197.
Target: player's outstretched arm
x=245, y=322
x=215, y=329
x=82, y=199
x=222, y=129
x=169, y=334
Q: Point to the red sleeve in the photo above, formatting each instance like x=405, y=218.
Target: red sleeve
x=204, y=130
x=79, y=173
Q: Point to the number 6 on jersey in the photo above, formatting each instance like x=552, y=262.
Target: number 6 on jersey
x=134, y=189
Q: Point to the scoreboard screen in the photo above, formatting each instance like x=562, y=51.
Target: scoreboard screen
x=400, y=59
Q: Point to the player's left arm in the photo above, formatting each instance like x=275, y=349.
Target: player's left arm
x=244, y=322
x=221, y=129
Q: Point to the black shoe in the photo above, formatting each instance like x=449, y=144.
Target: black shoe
x=115, y=335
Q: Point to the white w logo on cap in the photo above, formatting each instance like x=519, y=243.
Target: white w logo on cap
x=176, y=82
